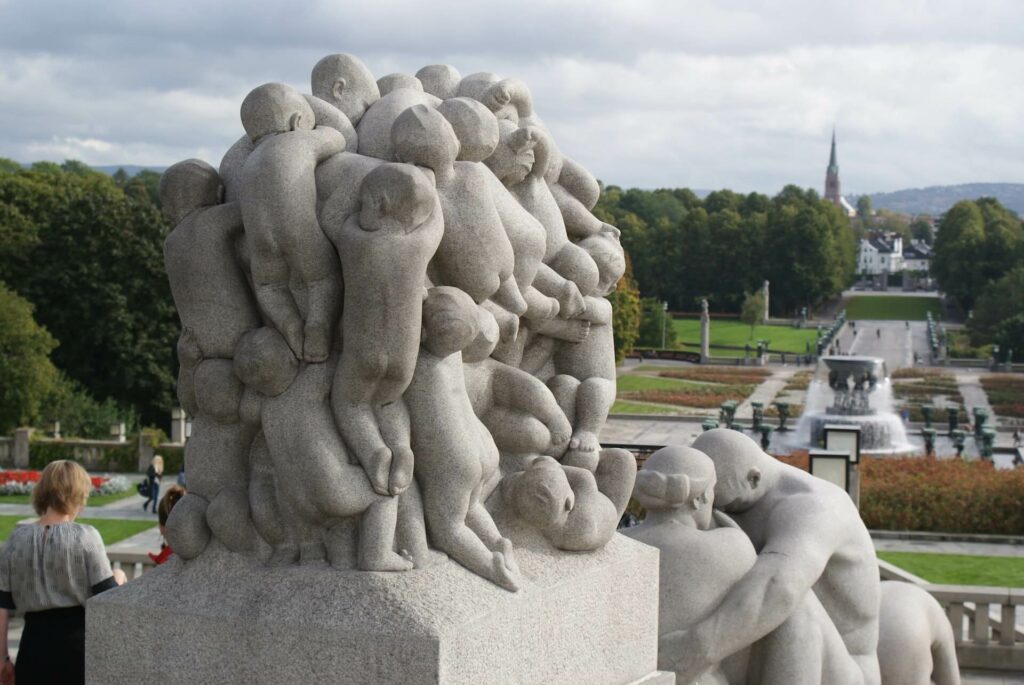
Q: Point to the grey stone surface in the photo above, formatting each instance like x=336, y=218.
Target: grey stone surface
x=915, y=641
x=397, y=356
x=242, y=622
x=815, y=579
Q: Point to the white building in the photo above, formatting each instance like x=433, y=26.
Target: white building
x=917, y=256
x=881, y=254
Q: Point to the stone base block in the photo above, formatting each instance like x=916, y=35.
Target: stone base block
x=222, y=618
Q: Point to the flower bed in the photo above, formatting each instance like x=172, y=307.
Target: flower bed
x=22, y=482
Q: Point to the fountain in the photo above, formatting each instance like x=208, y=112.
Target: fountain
x=853, y=390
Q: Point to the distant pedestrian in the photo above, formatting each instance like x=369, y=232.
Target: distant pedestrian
x=1016, y=438
x=153, y=476
x=167, y=502
x=878, y=333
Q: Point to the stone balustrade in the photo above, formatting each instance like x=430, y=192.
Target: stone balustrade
x=984, y=620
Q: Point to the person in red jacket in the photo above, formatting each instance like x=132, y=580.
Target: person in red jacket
x=167, y=502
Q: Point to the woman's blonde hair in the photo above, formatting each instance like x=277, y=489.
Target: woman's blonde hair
x=158, y=463
x=64, y=486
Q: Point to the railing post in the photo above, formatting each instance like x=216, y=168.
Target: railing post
x=1007, y=627
x=981, y=623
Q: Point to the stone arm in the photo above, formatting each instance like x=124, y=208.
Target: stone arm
x=801, y=540
x=571, y=330
x=510, y=91
x=598, y=311
x=579, y=182
x=543, y=152
x=579, y=222
x=325, y=142
x=553, y=284
x=515, y=389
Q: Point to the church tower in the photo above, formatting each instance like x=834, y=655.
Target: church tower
x=832, y=193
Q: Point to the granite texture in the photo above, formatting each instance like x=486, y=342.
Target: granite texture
x=915, y=641
x=226, y=619
x=397, y=356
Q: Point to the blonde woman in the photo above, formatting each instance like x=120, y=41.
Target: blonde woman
x=48, y=569
x=153, y=475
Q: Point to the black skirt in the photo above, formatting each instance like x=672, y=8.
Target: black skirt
x=52, y=648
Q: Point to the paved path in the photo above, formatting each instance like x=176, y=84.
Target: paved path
x=982, y=549
x=974, y=395
x=893, y=341
x=765, y=392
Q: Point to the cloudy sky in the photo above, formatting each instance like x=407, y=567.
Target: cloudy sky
x=706, y=94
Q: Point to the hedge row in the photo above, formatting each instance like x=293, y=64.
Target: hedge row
x=937, y=495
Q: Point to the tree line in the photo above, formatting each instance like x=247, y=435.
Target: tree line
x=88, y=326
x=978, y=260
x=724, y=246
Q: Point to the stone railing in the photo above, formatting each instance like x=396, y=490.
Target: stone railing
x=984, y=620
x=134, y=564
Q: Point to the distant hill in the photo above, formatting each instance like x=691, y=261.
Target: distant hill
x=937, y=199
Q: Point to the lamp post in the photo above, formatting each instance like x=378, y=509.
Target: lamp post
x=664, y=322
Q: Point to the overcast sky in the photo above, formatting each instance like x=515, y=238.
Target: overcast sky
x=719, y=93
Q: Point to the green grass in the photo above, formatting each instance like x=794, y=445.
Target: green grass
x=627, y=407
x=892, y=308
x=630, y=383
x=723, y=332
x=957, y=569
x=111, y=530
x=94, y=501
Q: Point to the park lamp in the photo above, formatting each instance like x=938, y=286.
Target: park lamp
x=832, y=466
x=843, y=438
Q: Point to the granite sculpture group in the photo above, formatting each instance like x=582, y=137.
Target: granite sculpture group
x=398, y=356
x=392, y=303
x=768, y=575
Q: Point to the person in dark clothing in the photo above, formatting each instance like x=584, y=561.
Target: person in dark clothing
x=153, y=476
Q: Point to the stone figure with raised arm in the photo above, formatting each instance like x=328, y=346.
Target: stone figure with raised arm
x=475, y=254
x=520, y=162
x=810, y=539
x=385, y=249
x=313, y=481
x=585, y=380
x=278, y=198
x=217, y=309
x=456, y=458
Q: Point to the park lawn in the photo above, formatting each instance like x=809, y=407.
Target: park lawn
x=626, y=407
x=94, y=501
x=894, y=307
x=958, y=569
x=736, y=333
x=111, y=530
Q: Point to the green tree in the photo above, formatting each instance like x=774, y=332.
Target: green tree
x=625, y=301
x=95, y=275
x=921, y=229
x=656, y=328
x=864, y=207
x=26, y=373
x=998, y=313
x=752, y=312
x=978, y=241
x=81, y=415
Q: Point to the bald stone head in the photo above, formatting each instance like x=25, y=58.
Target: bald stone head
x=422, y=136
x=275, y=108
x=187, y=186
x=475, y=126
x=440, y=80
x=740, y=464
x=346, y=83
x=395, y=197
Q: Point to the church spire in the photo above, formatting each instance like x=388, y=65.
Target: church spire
x=832, y=192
